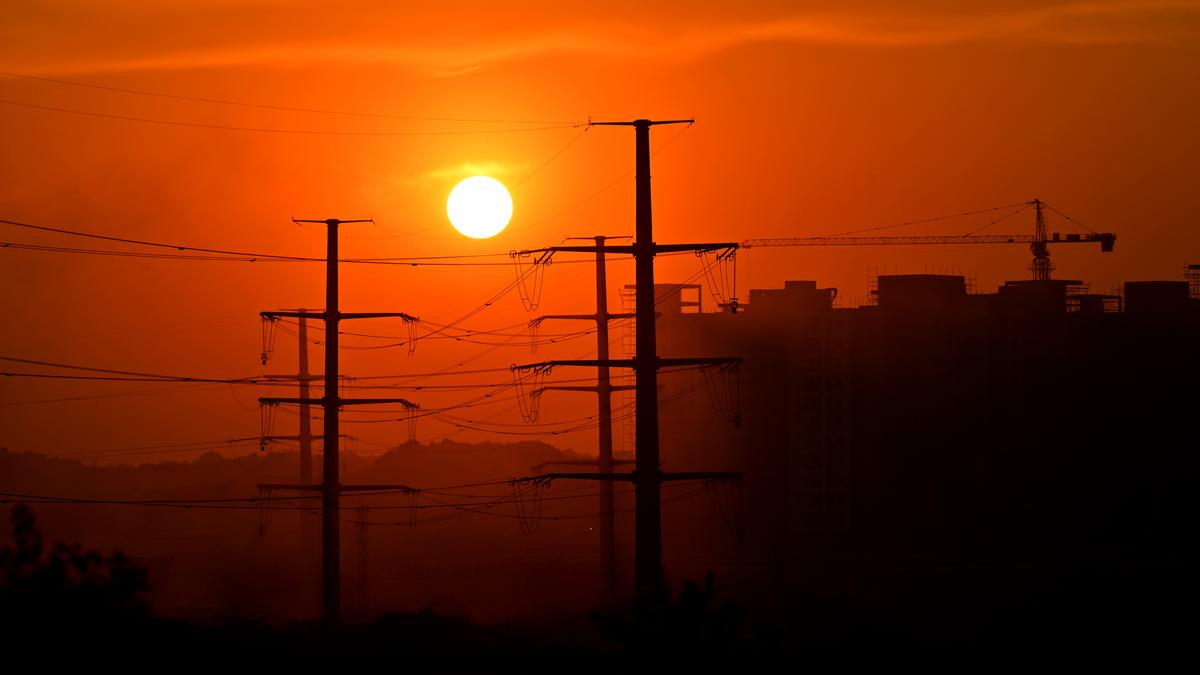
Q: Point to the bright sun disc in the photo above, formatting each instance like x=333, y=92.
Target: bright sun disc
x=479, y=207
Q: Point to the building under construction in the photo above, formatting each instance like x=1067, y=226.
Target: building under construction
x=935, y=445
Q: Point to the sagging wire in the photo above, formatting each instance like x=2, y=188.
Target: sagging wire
x=265, y=495
x=534, y=325
x=410, y=328
x=726, y=498
x=410, y=415
x=266, y=413
x=720, y=269
x=414, y=507
x=269, y=324
x=530, y=270
x=723, y=382
x=529, y=496
x=528, y=380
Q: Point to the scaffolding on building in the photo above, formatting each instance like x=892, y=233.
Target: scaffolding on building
x=626, y=376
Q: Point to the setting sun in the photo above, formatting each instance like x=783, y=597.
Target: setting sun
x=479, y=207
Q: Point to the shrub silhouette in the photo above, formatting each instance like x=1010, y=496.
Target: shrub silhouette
x=694, y=620
x=66, y=582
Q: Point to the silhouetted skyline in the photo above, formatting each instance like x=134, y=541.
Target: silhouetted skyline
x=857, y=432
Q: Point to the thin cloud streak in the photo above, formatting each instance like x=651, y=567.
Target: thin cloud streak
x=1164, y=22
x=467, y=169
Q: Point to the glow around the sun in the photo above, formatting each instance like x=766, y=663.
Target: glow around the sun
x=479, y=207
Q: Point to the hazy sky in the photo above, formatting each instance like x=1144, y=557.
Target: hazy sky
x=812, y=118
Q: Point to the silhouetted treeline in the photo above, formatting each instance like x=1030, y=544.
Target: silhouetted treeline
x=210, y=561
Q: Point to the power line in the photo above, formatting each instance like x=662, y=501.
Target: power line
x=99, y=378
x=604, y=189
x=553, y=157
x=930, y=220
x=135, y=374
x=264, y=106
x=155, y=244
x=243, y=256
x=250, y=258
x=272, y=130
x=464, y=337
x=120, y=394
x=217, y=251
x=19, y=246
x=263, y=503
x=231, y=255
x=170, y=448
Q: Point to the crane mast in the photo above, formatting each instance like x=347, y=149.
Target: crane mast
x=1041, y=266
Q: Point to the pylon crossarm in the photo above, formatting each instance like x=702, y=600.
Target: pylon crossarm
x=292, y=378
x=382, y=487
x=592, y=389
x=582, y=317
x=290, y=486
x=714, y=476
x=639, y=123
x=543, y=259
x=635, y=248
x=341, y=315
x=591, y=363
x=275, y=400
x=299, y=314
x=576, y=462
x=377, y=401
x=551, y=250
x=587, y=363
x=588, y=475
x=717, y=476
x=378, y=315
x=698, y=248
x=725, y=360
x=525, y=367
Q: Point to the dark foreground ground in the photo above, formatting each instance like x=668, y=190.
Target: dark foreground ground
x=64, y=602
x=1088, y=623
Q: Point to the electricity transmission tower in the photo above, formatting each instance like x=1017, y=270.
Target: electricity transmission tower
x=304, y=435
x=647, y=476
x=603, y=390
x=330, y=487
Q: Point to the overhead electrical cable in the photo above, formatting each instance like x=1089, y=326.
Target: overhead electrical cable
x=265, y=106
x=273, y=130
x=929, y=220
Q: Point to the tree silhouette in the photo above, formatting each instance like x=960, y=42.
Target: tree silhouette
x=693, y=621
x=65, y=583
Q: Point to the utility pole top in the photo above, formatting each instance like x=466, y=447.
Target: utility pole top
x=600, y=237
x=640, y=123
x=334, y=221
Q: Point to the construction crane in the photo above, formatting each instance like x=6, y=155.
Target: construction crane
x=1039, y=242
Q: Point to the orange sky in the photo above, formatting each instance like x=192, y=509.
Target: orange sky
x=812, y=118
